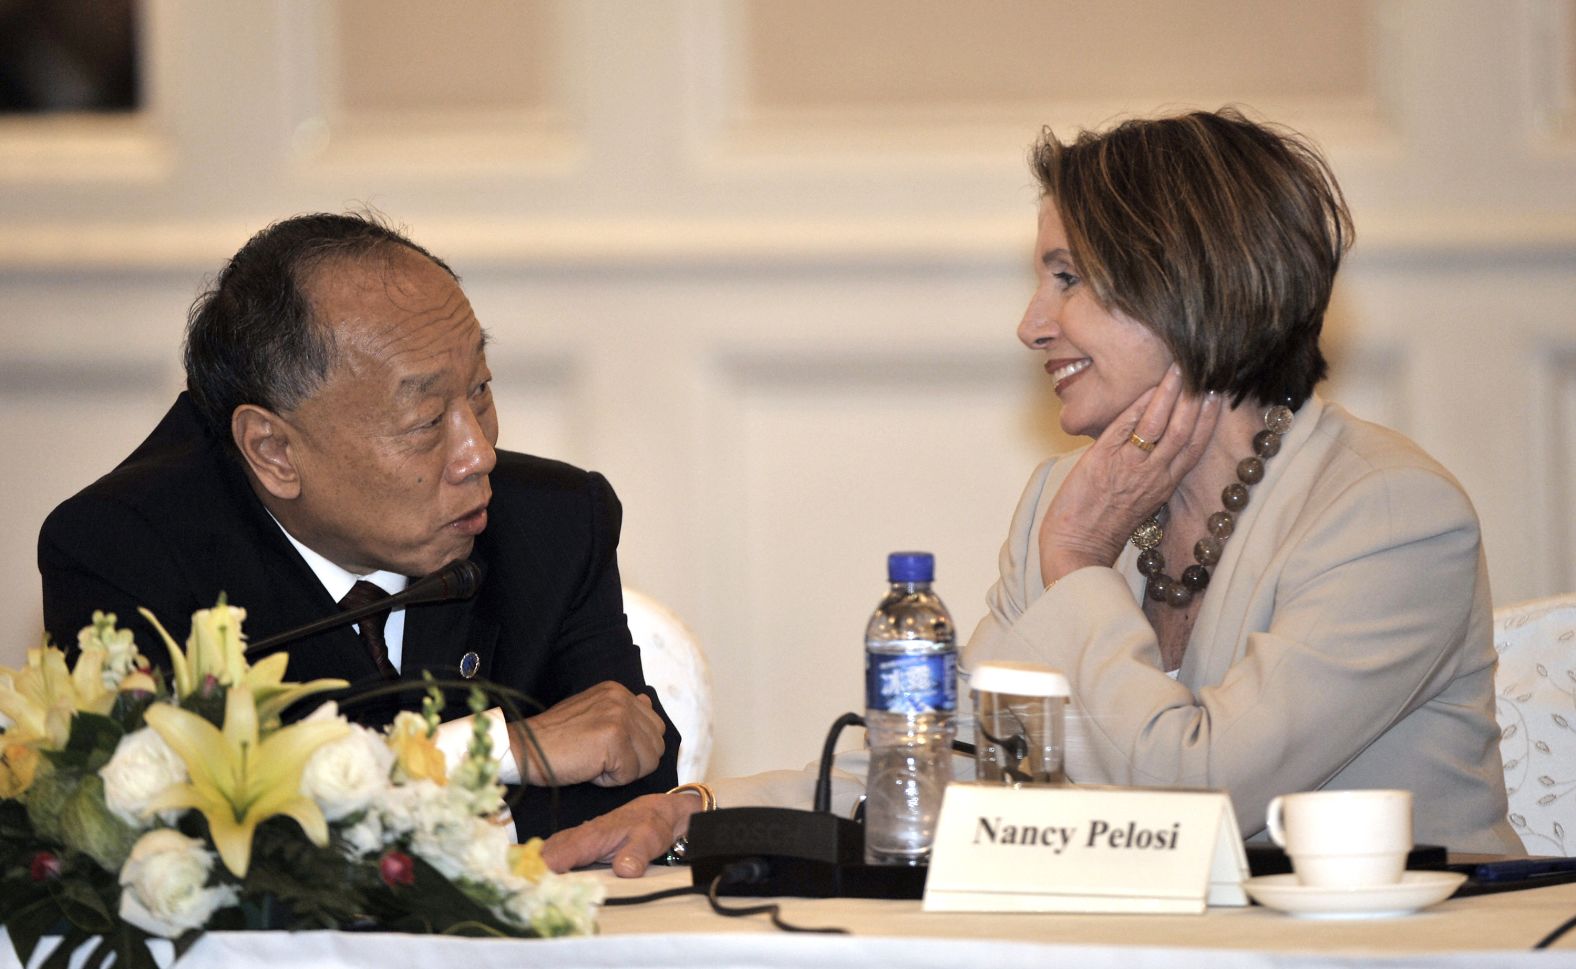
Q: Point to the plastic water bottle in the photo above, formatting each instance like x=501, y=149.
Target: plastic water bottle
x=911, y=704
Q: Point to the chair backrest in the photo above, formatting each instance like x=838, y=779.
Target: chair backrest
x=1536, y=709
x=676, y=667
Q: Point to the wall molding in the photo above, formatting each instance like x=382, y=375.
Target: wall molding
x=733, y=136
x=1549, y=37
x=327, y=146
x=42, y=377
x=721, y=243
x=1551, y=472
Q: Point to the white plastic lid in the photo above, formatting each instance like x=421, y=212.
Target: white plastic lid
x=1019, y=679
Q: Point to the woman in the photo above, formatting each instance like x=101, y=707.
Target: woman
x=1247, y=588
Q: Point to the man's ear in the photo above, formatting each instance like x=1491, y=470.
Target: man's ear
x=264, y=440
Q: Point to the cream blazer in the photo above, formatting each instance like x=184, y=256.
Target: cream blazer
x=1345, y=641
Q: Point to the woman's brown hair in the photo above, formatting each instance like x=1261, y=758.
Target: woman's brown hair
x=1221, y=234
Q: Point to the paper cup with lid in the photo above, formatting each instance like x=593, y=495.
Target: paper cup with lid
x=1018, y=733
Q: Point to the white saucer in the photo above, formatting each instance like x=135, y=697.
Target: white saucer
x=1415, y=890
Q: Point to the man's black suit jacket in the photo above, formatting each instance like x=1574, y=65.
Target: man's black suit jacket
x=177, y=523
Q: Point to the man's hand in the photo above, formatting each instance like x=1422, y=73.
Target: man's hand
x=628, y=837
x=605, y=735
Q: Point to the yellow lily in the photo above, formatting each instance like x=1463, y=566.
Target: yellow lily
x=138, y=682
x=525, y=860
x=415, y=752
x=213, y=648
x=266, y=681
x=239, y=779
x=18, y=767
x=40, y=699
x=217, y=648
x=87, y=681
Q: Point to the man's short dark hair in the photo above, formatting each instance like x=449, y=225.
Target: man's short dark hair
x=1220, y=234
x=252, y=338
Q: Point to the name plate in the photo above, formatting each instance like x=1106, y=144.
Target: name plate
x=1084, y=849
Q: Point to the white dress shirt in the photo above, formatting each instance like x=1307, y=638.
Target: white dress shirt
x=338, y=582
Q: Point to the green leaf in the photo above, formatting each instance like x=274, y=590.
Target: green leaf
x=129, y=708
x=91, y=827
x=101, y=951
x=84, y=904
x=18, y=843
x=294, y=884
x=13, y=816
x=92, y=742
x=208, y=706
x=186, y=941
x=130, y=947
x=30, y=920
x=434, y=904
x=46, y=800
x=69, y=943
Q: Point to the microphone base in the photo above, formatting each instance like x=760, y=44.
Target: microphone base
x=803, y=854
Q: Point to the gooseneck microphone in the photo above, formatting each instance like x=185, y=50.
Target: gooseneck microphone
x=458, y=580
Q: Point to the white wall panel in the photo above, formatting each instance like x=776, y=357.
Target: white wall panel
x=62, y=421
x=823, y=464
x=538, y=408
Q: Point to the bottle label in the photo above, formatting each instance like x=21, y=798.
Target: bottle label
x=912, y=683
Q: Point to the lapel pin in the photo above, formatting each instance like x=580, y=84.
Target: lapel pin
x=469, y=664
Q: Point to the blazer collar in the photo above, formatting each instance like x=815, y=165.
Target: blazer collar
x=1208, y=653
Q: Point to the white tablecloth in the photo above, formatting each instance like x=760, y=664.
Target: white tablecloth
x=683, y=933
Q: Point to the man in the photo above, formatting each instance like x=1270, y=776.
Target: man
x=338, y=427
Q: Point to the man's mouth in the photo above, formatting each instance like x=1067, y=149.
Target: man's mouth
x=472, y=523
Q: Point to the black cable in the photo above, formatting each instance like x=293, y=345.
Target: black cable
x=750, y=870
x=1553, y=937
x=823, y=777
x=1474, y=887
x=653, y=896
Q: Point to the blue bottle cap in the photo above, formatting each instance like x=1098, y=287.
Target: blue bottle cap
x=911, y=567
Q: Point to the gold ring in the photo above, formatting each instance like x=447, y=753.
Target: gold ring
x=1140, y=443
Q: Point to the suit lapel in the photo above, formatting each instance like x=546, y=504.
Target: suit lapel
x=438, y=636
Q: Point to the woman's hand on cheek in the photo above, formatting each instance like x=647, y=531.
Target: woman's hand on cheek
x=1116, y=483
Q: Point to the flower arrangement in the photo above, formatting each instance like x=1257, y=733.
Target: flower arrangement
x=132, y=808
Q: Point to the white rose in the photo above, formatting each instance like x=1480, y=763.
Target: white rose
x=446, y=846
x=365, y=837
x=347, y=775
x=438, y=822
x=485, y=853
x=142, y=767
x=418, y=807
x=558, y=905
x=397, y=809
x=164, y=884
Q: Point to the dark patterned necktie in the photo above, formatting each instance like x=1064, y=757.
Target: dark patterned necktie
x=365, y=593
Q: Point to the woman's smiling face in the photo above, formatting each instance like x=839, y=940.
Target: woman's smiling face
x=1099, y=359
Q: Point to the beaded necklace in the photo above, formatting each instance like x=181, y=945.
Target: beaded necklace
x=1206, y=552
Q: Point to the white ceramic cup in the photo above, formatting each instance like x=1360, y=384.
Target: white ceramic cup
x=1344, y=839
